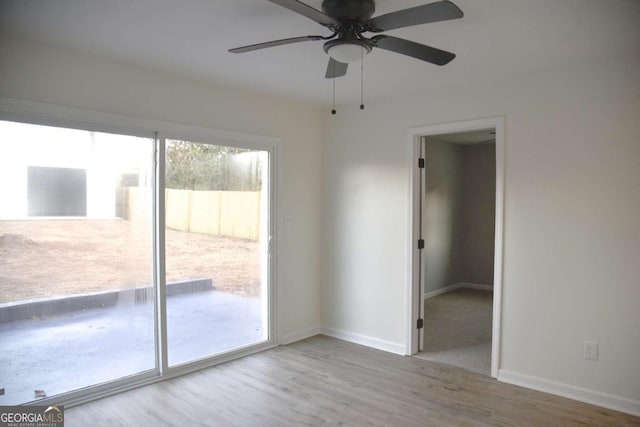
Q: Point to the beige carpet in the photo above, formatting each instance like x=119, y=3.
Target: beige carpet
x=457, y=329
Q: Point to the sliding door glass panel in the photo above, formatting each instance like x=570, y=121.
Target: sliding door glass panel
x=76, y=296
x=216, y=211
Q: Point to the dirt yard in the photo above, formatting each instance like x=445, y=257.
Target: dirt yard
x=42, y=258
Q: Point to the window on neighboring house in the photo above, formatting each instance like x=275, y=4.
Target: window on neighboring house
x=56, y=191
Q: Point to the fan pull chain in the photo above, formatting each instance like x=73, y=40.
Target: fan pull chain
x=333, y=71
x=333, y=111
x=362, y=79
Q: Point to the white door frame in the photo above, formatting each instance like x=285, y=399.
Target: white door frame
x=414, y=293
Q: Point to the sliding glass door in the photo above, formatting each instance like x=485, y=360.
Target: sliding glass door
x=216, y=218
x=75, y=259
x=123, y=258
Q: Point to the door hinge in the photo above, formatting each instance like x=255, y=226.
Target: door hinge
x=421, y=163
x=420, y=324
x=420, y=243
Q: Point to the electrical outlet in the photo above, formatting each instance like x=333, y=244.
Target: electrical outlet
x=590, y=350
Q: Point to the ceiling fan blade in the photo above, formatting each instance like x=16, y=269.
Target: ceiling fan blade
x=306, y=10
x=335, y=69
x=432, y=12
x=413, y=49
x=273, y=43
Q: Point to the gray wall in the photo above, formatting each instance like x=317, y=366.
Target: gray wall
x=478, y=213
x=459, y=214
x=441, y=215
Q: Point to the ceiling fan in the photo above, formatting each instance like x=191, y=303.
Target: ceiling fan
x=349, y=19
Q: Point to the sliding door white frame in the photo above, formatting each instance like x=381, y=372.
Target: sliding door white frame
x=160, y=294
x=54, y=115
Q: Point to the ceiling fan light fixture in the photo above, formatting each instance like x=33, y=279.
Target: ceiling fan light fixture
x=346, y=51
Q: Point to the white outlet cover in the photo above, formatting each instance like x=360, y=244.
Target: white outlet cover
x=590, y=350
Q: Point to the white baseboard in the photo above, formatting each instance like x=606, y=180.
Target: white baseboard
x=299, y=335
x=455, y=286
x=365, y=340
x=593, y=397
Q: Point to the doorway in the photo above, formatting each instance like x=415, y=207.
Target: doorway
x=456, y=283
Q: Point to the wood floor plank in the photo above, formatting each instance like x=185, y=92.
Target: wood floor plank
x=325, y=381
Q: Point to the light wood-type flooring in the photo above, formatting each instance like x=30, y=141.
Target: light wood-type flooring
x=325, y=381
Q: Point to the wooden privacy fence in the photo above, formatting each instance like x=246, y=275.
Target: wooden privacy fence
x=220, y=213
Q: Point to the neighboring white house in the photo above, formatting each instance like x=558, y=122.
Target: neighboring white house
x=56, y=172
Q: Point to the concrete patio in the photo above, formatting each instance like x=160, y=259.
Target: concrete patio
x=65, y=352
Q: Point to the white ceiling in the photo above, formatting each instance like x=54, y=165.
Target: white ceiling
x=191, y=37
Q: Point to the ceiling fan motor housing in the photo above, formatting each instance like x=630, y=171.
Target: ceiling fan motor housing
x=349, y=10
x=348, y=20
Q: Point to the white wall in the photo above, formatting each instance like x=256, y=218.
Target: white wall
x=38, y=73
x=572, y=209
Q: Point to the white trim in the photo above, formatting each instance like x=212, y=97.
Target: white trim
x=593, y=397
x=413, y=310
x=57, y=115
x=276, y=230
x=412, y=316
x=365, y=340
x=159, y=259
x=498, y=249
x=300, y=335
